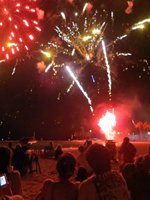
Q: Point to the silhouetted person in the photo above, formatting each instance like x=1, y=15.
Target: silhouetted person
x=128, y=172
x=13, y=187
x=112, y=150
x=127, y=151
x=49, y=150
x=64, y=189
x=141, y=186
x=20, y=159
x=105, y=184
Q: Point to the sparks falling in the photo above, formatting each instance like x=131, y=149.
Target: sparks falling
x=80, y=41
x=108, y=67
x=18, y=26
x=80, y=87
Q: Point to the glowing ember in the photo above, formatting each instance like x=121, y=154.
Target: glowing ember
x=107, y=123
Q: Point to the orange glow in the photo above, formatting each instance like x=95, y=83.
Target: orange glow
x=107, y=124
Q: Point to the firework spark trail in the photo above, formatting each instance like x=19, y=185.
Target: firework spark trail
x=48, y=67
x=63, y=15
x=1, y=61
x=143, y=21
x=108, y=68
x=123, y=54
x=84, y=8
x=13, y=72
x=79, y=39
x=137, y=26
x=84, y=40
x=80, y=87
x=70, y=86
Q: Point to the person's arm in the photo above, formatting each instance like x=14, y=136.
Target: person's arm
x=16, y=183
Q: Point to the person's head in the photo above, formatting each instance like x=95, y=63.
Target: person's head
x=81, y=148
x=138, y=162
x=10, y=144
x=81, y=174
x=66, y=165
x=59, y=147
x=146, y=163
x=126, y=140
x=5, y=159
x=128, y=170
x=98, y=158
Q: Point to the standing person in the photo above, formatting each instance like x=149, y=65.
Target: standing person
x=110, y=144
x=127, y=151
x=64, y=189
x=105, y=184
x=13, y=179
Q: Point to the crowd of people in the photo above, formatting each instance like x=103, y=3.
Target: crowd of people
x=89, y=176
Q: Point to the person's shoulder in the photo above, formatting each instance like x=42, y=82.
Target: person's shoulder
x=116, y=173
x=14, y=173
x=89, y=181
x=131, y=144
x=48, y=182
x=117, y=177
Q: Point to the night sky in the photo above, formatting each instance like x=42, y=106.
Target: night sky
x=33, y=102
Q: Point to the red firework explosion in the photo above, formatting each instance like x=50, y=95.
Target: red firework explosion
x=17, y=26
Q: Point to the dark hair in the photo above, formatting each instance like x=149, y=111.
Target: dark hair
x=5, y=159
x=81, y=174
x=98, y=158
x=81, y=148
x=126, y=139
x=128, y=170
x=66, y=165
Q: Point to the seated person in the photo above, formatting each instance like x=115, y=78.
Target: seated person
x=13, y=179
x=64, y=189
x=49, y=150
x=82, y=162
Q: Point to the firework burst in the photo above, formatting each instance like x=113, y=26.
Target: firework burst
x=17, y=26
x=80, y=42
